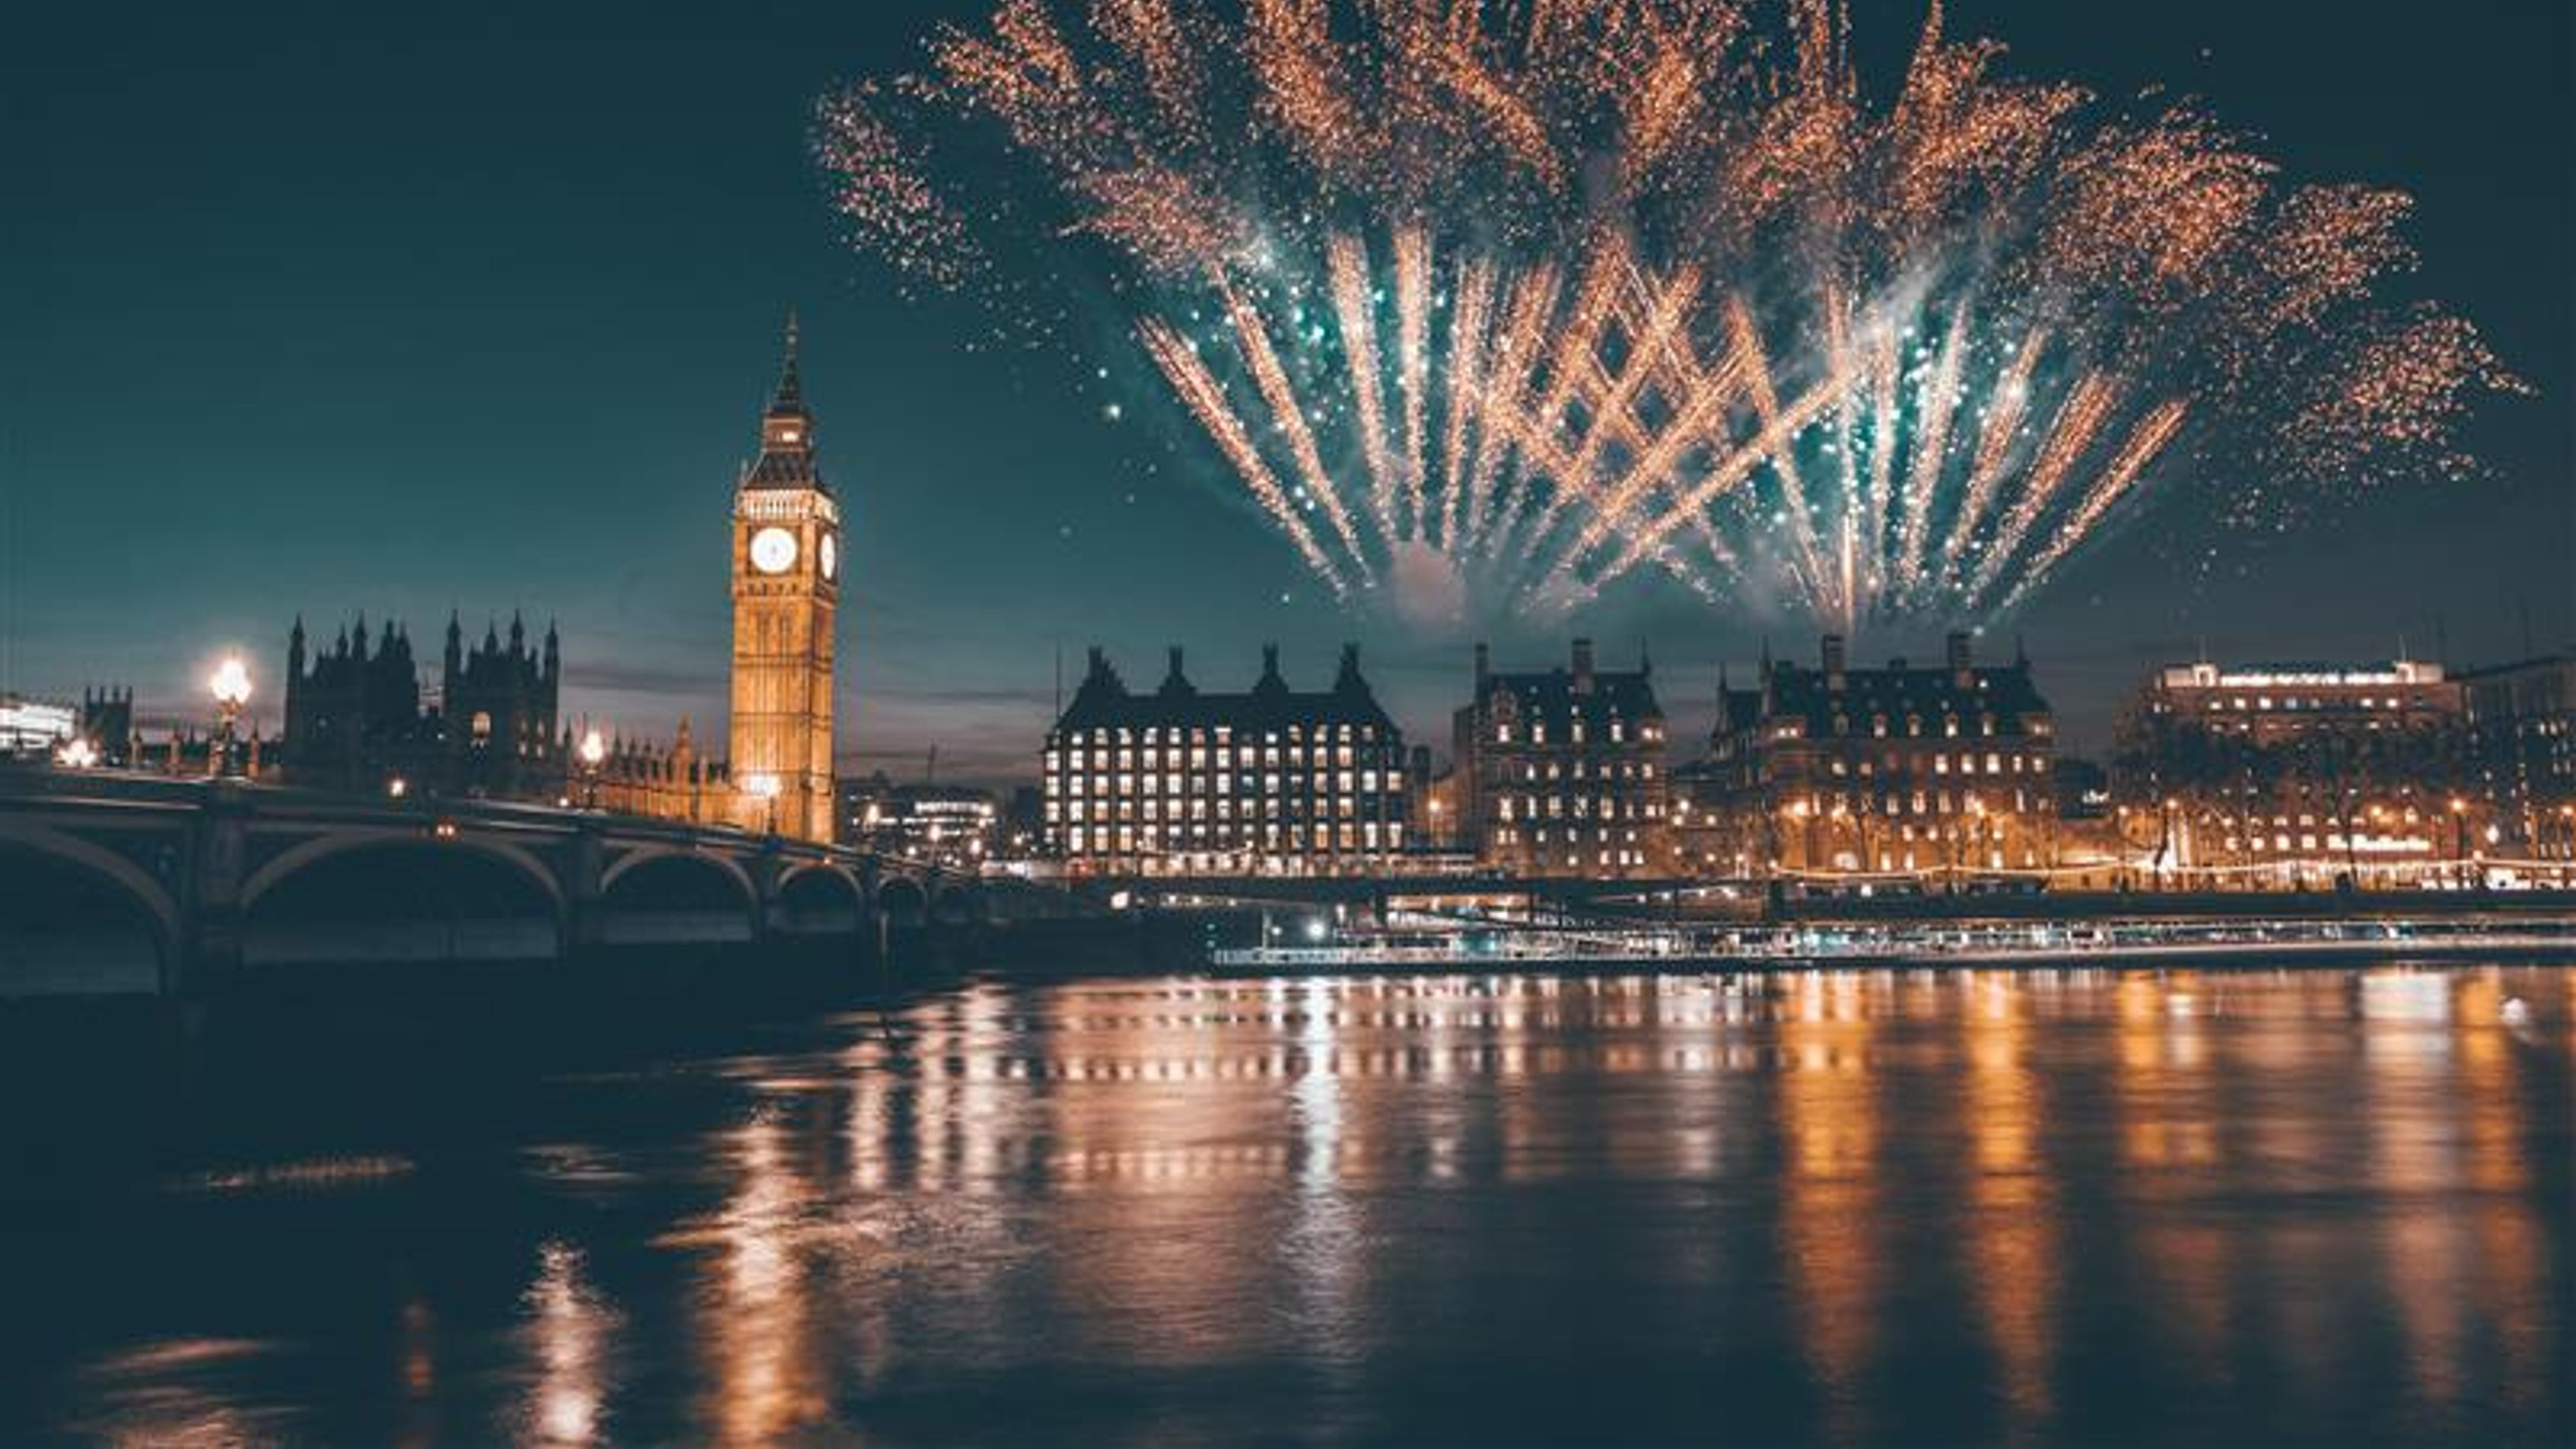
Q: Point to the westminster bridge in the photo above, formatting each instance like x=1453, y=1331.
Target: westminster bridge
x=134, y=884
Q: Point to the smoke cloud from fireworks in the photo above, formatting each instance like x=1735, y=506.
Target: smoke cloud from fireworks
x=1492, y=305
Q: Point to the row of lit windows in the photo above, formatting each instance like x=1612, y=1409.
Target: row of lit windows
x=1878, y=725
x=1225, y=757
x=1618, y=731
x=1954, y=832
x=1126, y=839
x=2302, y=788
x=2373, y=725
x=1965, y=763
x=1604, y=807
x=1574, y=860
x=1571, y=835
x=1590, y=770
x=2240, y=703
x=2413, y=845
x=1346, y=806
x=2377, y=815
x=1920, y=802
x=1321, y=781
x=1103, y=736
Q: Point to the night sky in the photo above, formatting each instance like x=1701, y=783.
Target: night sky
x=309, y=309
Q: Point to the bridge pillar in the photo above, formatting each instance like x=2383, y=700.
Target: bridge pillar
x=768, y=873
x=211, y=941
x=583, y=865
x=873, y=933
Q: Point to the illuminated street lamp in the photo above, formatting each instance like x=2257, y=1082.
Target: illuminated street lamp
x=764, y=788
x=594, y=750
x=230, y=686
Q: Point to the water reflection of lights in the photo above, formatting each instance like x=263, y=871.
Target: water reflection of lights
x=1829, y=1195
x=152, y=1395
x=1321, y=1244
x=568, y=1329
x=754, y=1306
x=419, y=1349
x=2399, y=995
x=2341, y=1184
x=2013, y=1230
x=1318, y=1090
x=2507, y=1274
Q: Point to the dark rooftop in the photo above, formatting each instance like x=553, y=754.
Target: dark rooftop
x=1104, y=699
x=1816, y=694
x=1576, y=691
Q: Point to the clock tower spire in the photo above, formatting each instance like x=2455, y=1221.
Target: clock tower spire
x=786, y=596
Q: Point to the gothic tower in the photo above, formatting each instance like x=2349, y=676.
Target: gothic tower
x=786, y=588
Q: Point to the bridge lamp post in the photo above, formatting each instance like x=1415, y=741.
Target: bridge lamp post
x=764, y=788
x=231, y=688
x=594, y=750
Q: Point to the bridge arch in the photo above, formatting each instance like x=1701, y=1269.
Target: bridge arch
x=61, y=928
x=662, y=895
x=342, y=842
x=820, y=898
x=905, y=900
x=633, y=860
x=393, y=895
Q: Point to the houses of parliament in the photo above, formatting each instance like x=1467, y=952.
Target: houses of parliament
x=358, y=717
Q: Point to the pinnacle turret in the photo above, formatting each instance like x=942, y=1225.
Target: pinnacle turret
x=790, y=397
x=786, y=458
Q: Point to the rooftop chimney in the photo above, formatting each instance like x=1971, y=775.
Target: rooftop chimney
x=1583, y=666
x=1962, y=671
x=1833, y=661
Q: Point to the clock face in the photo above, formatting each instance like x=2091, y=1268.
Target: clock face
x=773, y=550
x=828, y=553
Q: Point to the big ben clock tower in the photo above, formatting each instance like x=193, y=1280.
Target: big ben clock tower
x=786, y=590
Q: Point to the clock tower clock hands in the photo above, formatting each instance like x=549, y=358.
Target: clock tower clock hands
x=786, y=594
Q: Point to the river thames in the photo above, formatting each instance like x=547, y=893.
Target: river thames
x=2321, y=1206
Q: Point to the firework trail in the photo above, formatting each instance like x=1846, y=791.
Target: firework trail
x=1512, y=301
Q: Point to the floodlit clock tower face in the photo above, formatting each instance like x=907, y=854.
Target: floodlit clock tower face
x=786, y=592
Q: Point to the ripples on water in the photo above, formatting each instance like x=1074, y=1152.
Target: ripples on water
x=1932, y=1206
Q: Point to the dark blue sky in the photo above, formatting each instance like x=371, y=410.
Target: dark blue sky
x=324, y=308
